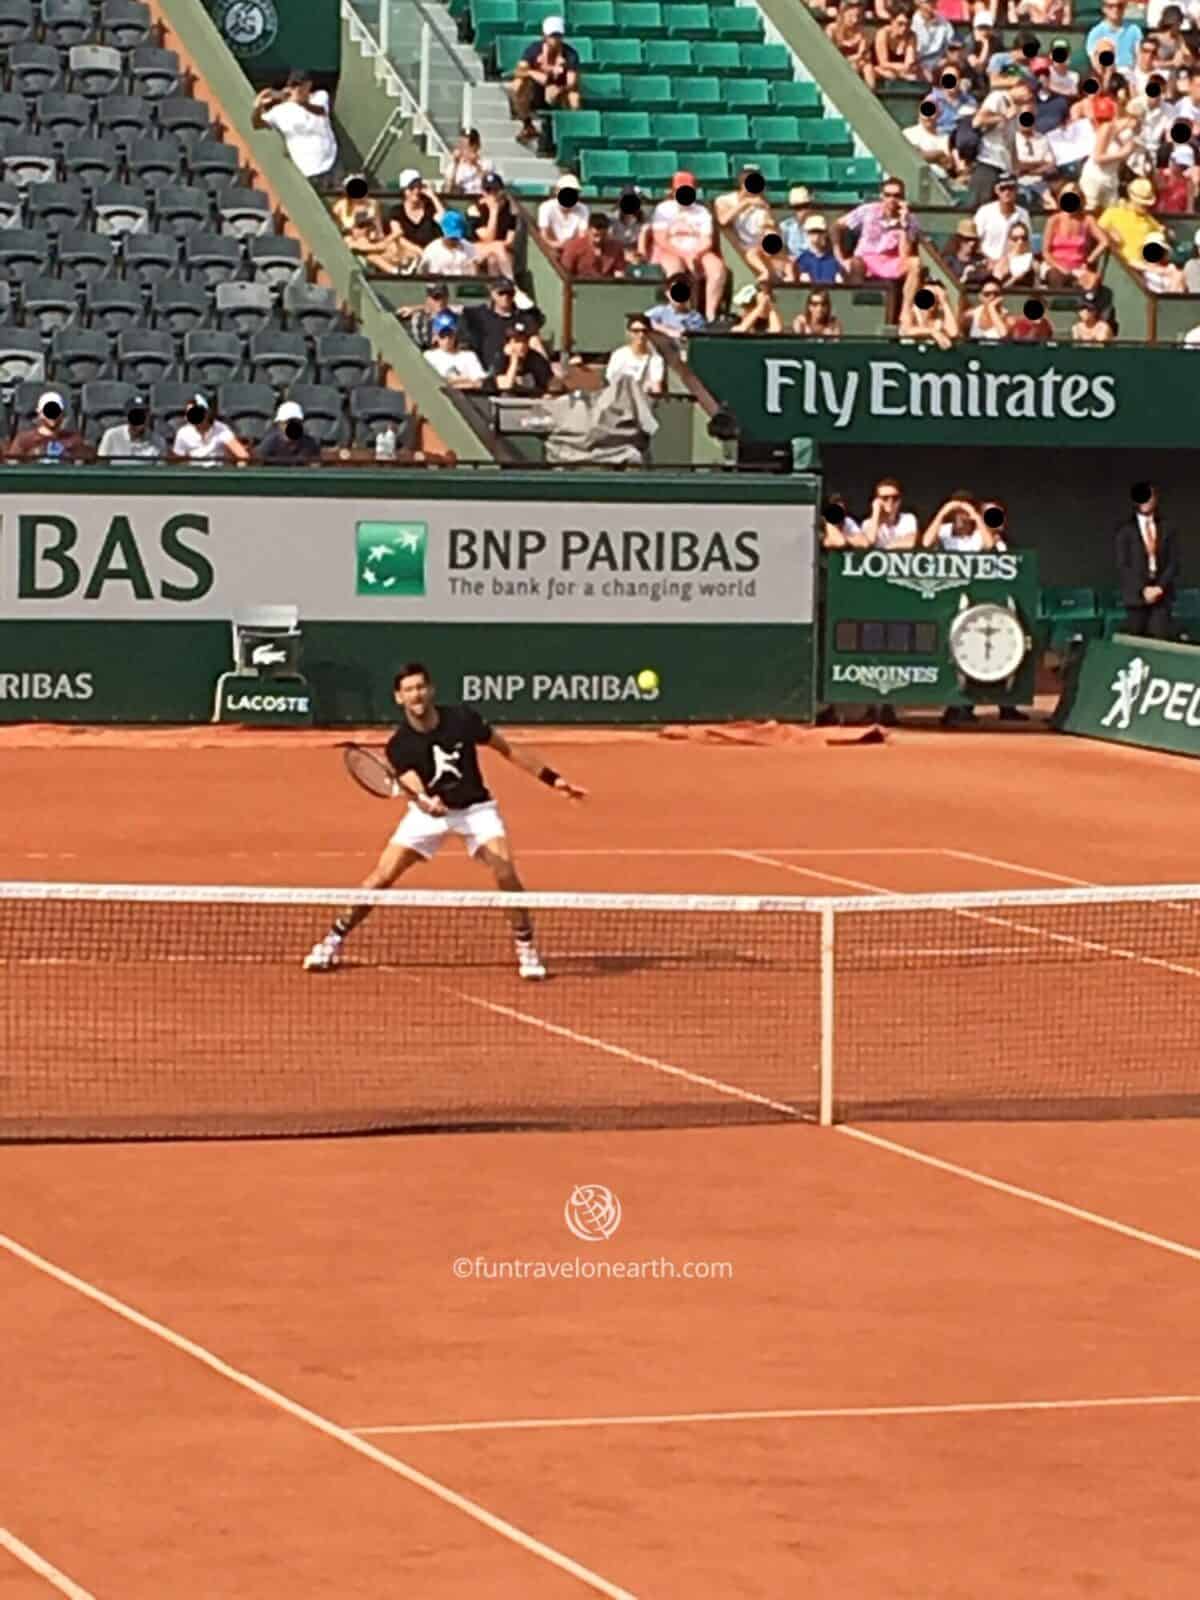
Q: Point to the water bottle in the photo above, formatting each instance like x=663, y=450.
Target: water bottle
x=385, y=444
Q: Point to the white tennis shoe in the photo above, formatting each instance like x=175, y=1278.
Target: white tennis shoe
x=529, y=963
x=325, y=955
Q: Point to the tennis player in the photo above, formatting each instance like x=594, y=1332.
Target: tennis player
x=434, y=754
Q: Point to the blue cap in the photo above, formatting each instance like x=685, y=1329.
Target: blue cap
x=445, y=322
x=454, y=224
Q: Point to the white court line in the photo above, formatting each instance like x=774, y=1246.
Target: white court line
x=318, y=1423
x=803, y=1414
x=1013, y=866
x=766, y=860
x=36, y=1563
x=632, y=851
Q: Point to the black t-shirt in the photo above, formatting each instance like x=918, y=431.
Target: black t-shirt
x=423, y=232
x=533, y=378
x=445, y=758
x=281, y=451
x=485, y=330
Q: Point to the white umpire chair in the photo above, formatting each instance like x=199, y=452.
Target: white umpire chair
x=267, y=680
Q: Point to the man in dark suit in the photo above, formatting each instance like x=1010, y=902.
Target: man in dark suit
x=1148, y=566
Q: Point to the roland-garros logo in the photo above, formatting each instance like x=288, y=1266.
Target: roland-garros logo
x=929, y=572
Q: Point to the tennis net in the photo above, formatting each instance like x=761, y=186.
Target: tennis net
x=159, y=1012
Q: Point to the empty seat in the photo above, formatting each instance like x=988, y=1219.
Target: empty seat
x=121, y=208
x=212, y=358
x=688, y=22
x=104, y=404
x=244, y=308
x=606, y=88
x=34, y=69
x=275, y=259
x=211, y=258
x=96, y=70
x=22, y=355
x=639, y=19
x=311, y=307
x=180, y=208
x=619, y=55
x=655, y=168
x=14, y=114
x=679, y=130
x=323, y=410
x=153, y=72
x=278, y=358
x=653, y=89
x=180, y=306
x=699, y=94
x=372, y=409
x=799, y=97
x=244, y=212
x=66, y=23
x=55, y=206
x=345, y=359
x=827, y=135
x=747, y=94
x=149, y=256
x=155, y=161
x=145, y=356
x=17, y=20
x=64, y=117
x=24, y=253
x=212, y=164
x=29, y=158
x=767, y=60
x=624, y=129
x=49, y=304
x=168, y=403
x=7, y=314
x=12, y=206
x=248, y=408
x=91, y=162
x=186, y=118
x=115, y=306
x=79, y=355
x=123, y=117
x=669, y=55
x=606, y=169
x=125, y=24
x=84, y=257
x=776, y=133
x=737, y=22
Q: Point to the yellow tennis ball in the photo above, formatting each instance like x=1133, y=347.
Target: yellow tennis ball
x=647, y=680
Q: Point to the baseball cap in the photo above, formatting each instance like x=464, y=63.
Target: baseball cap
x=503, y=286
x=137, y=402
x=445, y=322
x=290, y=411
x=201, y=400
x=815, y=224
x=454, y=225
x=746, y=295
x=437, y=291
x=492, y=181
x=1006, y=180
x=1091, y=298
x=552, y=26
x=522, y=325
x=800, y=195
x=409, y=176
x=680, y=178
x=52, y=397
x=1196, y=237
x=567, y=181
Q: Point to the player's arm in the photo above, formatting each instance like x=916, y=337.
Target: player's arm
x=529, y=761
x=411, y=785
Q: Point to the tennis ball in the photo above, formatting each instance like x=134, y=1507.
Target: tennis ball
x=647, y=680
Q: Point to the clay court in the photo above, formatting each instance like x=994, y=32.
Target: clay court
x=944, y=1359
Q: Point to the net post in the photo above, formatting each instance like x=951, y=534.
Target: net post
x=828, y=948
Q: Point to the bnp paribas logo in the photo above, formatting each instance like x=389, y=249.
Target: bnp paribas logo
x=391, y=558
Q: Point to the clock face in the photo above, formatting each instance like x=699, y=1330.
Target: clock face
x=987, y=643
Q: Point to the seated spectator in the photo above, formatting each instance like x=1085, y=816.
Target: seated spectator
x=1061, y=82
x=852, y=39
x=817, y=320
x=1089, y=327
x=1130, y=222
x=203, y=440
x=416, y=218
x=895, y=51
x=133, y=440
x=1017, y=268
x=957, y=526
x=1146, y=66
x=486, y=328
x=547, y=79
x=998, y=218
x=954, y=101
x=1174, y=183
x=988, y=320
x=355, y=199
x=1089, y=280
x=301, y=114
x=377, y=240
x=288, y=443
x=461, y=369
x=1044, y=13
x=676, y=315
x=464, y=168
x=1172, y=49
x=420, y=318
x=1159, y=273
x=1191, y=267
x=815, y=262
x=1191, y=339
x=1187, y=104
x=756, y=311
x=638, y=359
x=49, y=439
x=593, y=254
x=625, y=226
x=1032, y=325
x=932, y=35
x=747, y=212
x=518, y=370
x=495, y=219
x=887, y=238
x=681, y=239
x=888, y=526
x=791, y=229
x=1112, y=29
x=1071, y=240
x=926, y=314
x=562, y=217
x=933, y=146
x=453, y=255
x=839, y=530
x=962, y=255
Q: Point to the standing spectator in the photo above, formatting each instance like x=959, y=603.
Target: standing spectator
x=1071, y=240
x=453, y=255
x=676, y=316
x=461, y=369
x=965, y=260
x=420, y=318
x=495, y=226
x=1112, y=29
x=895, y=51
x=933, y=146
x=932, y=35
x=1089, y=326
x=889, y=527
x=204, y=440
x=638, y=359
x=1116, y=140
x=681, y=239
x=988, y=320
x=1130, y=222
x=996, y=220
x=747, y=211
x=815, y=262
x=301, y=114
x=547, y=79
x=887, y=238
x=593, y=254
x=416, y=218
x=996, y=124
x=133, y=440
x=288, y=443
x=817, y=320
x=519, y=371
x=926, y=314
x=49, y=439
x=1035, y=163
x=852, y=39
x=562, y=217
x=486, y=328
x=757, y=310
x=464, y=168
x=1147, y=566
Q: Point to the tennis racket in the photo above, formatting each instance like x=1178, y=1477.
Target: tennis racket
x=371, y=772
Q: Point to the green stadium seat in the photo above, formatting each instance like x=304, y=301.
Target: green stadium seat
x=624, y=130
x=699, y=93
x=639, y=19
x=606, y=169
x=856, y=171
x=490, y=18
x=737, y=22
x=798, y=98
x=654, y=90
x=728, y=133
x=532, y=13
x=509, y=49
x=748, y=94
x=604, y=89
x=776, y=133
x=655, y=168
x=669, y=55
x=828, y=135
x=1056, y=602
x=619, y=55
x=770, y=165
x=710, y=169
x=587, y=17
x=679, y=129
x=812, y=170
x=573, y=130
x=767, y=60
x=713, y=55
x=688, y=21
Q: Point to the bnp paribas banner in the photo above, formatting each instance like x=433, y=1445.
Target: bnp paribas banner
x=98, y=558
x=1137, y=691
x=869, y=392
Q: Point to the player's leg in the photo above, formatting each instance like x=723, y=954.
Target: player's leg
x=489, y=845
x=409, y=845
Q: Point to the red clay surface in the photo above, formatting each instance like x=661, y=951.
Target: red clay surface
x=325, y=1270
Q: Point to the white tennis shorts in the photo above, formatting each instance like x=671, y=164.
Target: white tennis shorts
x=478, y=825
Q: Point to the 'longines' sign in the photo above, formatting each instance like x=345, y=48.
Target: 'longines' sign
x=929, y=572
